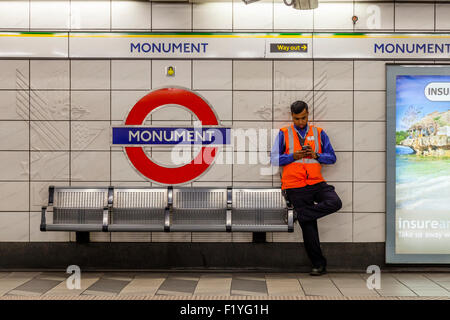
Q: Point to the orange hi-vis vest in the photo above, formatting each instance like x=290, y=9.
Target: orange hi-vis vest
x=306, y=171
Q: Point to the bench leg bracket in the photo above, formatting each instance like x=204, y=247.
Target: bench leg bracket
x=259, y=237
x=82, y=237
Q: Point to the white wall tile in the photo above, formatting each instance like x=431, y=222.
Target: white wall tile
x=336, y=227
x=90, y=105
x=252, y=136
x=39, y=193
x=369, y=197
x=123, y=101
x=49, y=74
x=90, y=74
x=333, y=75
x=252, y=75
x=181, y=78
x=37, y=235
x=344, y=191
x=131, y=74
x=171, y=16
x=212, y=74
x=252, y=105
x=221, y=101
x=340, y=134
x=49, y=165
x=171, y=237
x=370, y=105
x=369, y=227
x=296, y=236
x=90, y=166
x=211, y=237
x=242, y=237
x=49, y=14
x=14, y=105
x=218, y=171
x=333, y=16
x=14, y=14
x=122, y=169
x=90, y=135
x=442, y=14
x=251, y=169
x=341, y=170
x=174, y=157
x=14, y=74
x=370, y=75
x=14, y=165
x=287, y=18
x=14, y=226
x=12, y=195
x=370, y=166
x=293, y=75
x=213, y=16
x=282, y=101
x=20, y=106
x=374, y=16
x=171, y=112
x=414, y=16
x=370, y=136
x=131, y=236
x=131, y=14
x=254, y=16
x=100, y=236
x=49, y=105
x=90, y=14
x=14, y=135
x=49, y=135
x=333, y=105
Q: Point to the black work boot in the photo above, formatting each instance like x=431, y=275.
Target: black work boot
x=318, y=271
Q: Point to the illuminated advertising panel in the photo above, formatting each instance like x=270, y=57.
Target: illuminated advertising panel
x=418, y=164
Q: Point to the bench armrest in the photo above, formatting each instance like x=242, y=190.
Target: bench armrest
x=105, y=219
x=43, y=226
x=290, y=219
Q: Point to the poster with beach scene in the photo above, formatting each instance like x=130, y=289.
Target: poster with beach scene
x=422, y=164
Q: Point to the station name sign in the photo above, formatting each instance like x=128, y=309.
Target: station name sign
x=192, y=45
x=170, y=136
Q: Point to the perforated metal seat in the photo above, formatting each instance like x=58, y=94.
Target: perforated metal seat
x=77, y=209
x=138, y=209
x=259, y=209
x=199, y=209
x=167, y=209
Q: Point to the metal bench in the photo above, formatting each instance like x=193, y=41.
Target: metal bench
x=171, y=209
x=77, y=209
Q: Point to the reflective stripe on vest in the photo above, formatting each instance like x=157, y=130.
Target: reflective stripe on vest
x=291, y=145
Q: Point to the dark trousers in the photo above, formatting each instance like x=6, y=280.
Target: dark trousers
x=311, y=203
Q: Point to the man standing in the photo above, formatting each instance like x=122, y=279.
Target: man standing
x=299, y=150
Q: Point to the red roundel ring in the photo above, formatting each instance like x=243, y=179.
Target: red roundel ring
x=141, y=110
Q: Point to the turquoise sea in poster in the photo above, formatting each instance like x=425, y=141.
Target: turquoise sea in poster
x=422, y=134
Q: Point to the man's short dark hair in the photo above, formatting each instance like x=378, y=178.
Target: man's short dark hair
x=298, y=106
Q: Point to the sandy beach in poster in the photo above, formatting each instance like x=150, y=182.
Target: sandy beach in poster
x=422, y=169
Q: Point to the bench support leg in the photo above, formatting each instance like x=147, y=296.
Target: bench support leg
x=82, y=237
x=259, y=237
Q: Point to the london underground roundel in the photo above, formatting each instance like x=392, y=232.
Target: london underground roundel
x=134, y=135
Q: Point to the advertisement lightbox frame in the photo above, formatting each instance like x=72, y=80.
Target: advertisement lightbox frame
x=392, y=71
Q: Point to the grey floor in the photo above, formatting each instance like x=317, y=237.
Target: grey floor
x=122, y=285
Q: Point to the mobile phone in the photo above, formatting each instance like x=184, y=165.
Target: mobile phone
x=306, y=147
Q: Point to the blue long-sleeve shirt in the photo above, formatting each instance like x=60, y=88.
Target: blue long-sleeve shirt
x=279, y=158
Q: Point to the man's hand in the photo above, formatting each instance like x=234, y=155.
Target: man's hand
x=312, y=154
x=299, y=154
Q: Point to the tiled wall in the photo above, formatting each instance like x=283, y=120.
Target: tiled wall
x=55, y=115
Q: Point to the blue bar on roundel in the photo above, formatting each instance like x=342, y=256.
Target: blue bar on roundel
x=170, y=136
